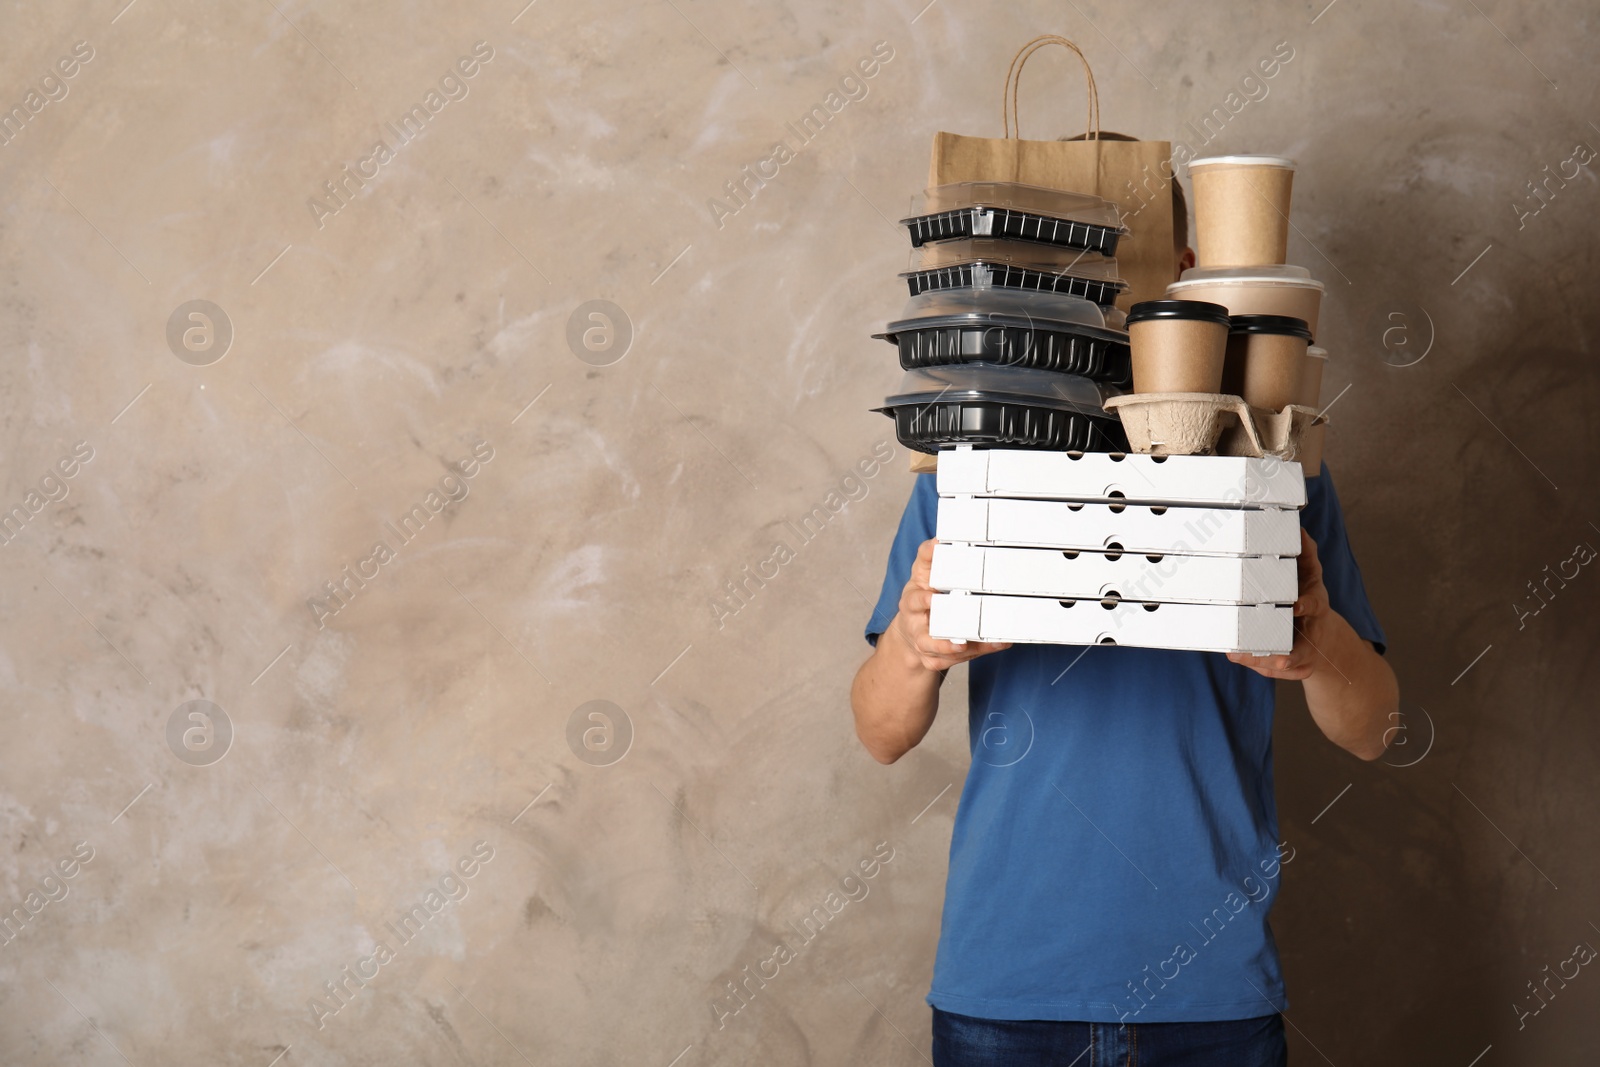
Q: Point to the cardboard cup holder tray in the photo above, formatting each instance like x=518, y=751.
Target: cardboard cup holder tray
x=1190, y=424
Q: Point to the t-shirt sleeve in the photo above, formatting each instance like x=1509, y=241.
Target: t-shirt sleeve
x=1323, y=519
x=916, y=526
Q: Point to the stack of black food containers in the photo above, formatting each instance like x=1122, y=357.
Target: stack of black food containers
x=1011, y=338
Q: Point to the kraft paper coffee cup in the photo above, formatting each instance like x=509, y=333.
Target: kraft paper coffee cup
x=1177, y=346
x=1241, y=209
x=1266, y=360
x=1311, y=396
x=1311, y=379
x=1266, y=290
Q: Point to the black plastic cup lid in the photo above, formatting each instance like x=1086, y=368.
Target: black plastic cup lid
x=1279, y=324
x=1191, y=310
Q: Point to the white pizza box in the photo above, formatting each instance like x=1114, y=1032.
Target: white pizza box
x=1168, y=578
x=1214, y=481
x=1124, y=527
x=1259, y=628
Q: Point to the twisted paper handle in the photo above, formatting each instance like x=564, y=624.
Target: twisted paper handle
x=1008, y=101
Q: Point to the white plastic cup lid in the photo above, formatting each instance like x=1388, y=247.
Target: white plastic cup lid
x=1317, y=353
x=1283, y=162
x=1279, y=274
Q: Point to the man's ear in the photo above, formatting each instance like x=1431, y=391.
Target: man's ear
x=1185, y=259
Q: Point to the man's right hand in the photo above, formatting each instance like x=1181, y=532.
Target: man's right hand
x=910, y=624
x=895, y=695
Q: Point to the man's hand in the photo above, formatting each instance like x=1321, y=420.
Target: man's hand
x=896, y=692
x=910, y=624
x=1350, y=691
x=1310, y=611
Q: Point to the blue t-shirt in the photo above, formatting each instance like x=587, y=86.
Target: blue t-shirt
x=1115, y=851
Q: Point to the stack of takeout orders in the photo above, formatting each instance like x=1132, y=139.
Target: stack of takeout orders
x=1111, y=478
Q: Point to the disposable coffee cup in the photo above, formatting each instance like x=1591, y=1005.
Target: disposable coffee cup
x=1178, y=346
x=1266, y=360
x=1267, y=290
x=1311, y=380
x=1241, y=209
x=1312, y=440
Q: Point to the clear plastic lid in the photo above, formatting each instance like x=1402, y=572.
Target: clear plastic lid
x=1026, y=254
x=1317, y=353
x=1298, y=277
x=991, y=381
x=1243, y=161
x=1032, y=199
x=982, y=305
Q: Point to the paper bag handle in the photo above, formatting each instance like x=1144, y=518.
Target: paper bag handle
x=1008, y=101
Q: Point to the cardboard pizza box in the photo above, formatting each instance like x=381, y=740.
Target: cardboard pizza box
x=1073, y=574
x=1262, y=628
x=1213, y=481
x=1154, y=529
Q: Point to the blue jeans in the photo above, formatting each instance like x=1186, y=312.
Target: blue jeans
x=963, y=1041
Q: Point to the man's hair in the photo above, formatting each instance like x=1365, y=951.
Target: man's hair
x=1180, y=206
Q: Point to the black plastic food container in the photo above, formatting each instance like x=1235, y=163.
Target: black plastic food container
x=1002, y=275
x=1002, y=407
x=983, y=263
x=1044, y=331
x=1017, y=212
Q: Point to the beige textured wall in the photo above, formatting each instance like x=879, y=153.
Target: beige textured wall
x=375, y=347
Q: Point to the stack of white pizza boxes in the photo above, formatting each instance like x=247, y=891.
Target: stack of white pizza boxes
x=1096, y=548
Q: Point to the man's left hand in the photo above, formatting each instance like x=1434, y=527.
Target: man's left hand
x=1309, y=610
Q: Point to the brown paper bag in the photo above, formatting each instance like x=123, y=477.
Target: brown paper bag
x=1136, y=175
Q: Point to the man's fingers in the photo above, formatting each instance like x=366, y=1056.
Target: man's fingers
x=1304, y=656
x=945, y=655
x=1296, y=665
x=1307, y=566
x=1250, y=659
x=922, y=566
x=934, y=646
x=916, y=601
x=1291, y=674
x=916, y=604
x=1313, y=598
x=1292, y=667
x=1314, y=602
x=1284, y=676
x=1308, y=546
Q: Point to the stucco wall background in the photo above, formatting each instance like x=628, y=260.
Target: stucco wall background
x=437, y=717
